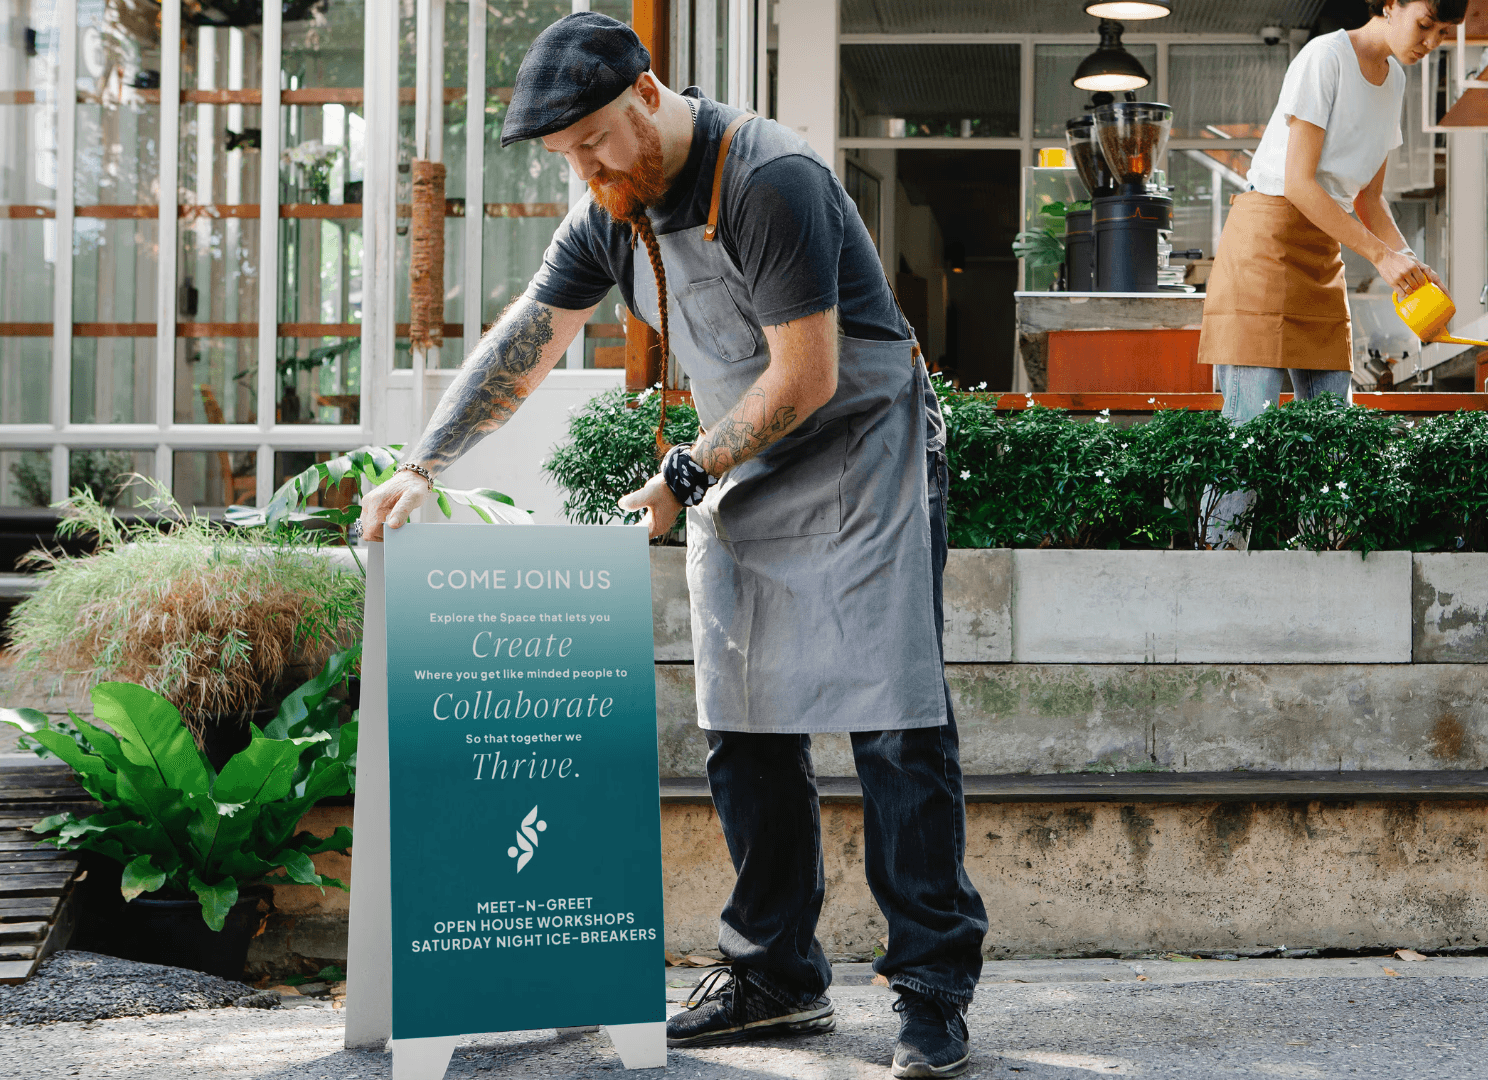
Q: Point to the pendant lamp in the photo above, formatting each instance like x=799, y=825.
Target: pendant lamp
x=1110, y=68
x=1130, y=10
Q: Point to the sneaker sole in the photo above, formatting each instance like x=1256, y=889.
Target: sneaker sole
x=801, y=1023
x=919, y=1071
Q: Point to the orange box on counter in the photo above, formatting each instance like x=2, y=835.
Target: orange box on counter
x=1134, y=361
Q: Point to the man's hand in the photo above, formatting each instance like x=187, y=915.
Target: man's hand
x=392, y=503
x=659, y=507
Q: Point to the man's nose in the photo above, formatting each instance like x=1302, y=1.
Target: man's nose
x=586, y=167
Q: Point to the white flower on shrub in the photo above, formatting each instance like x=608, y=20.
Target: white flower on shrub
x=311, y=155
x=965, y=474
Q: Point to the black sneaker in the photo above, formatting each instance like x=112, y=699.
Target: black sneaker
x=727, y=1008
x=932, y=1037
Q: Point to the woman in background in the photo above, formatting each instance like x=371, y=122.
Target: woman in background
x=1276, y=297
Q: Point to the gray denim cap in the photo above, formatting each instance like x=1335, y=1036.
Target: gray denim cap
x=575, y=67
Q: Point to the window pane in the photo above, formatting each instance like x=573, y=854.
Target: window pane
x=113, y=309
x=28, y=104
x=929, y=90
x=1199, y=181
x=218, y=235
x=209, y=479
x=320, y=380
x=26, y=319
x=111, y=475
x=1224, y=91
x=1055, y=99
x=25, y=477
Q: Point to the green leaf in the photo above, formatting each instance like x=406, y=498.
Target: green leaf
x=153, y=734
x=140, y=876
x=340, y=840
x=299, y=867
x=262, y=772
x=305, y=701
x=28, y=720
x=216, y=900
x=52, y=823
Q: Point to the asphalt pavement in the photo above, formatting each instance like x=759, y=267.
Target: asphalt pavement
x=1323, y=1018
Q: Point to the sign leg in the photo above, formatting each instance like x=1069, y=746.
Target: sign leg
x=422, y=1059
x=640, y=1046
x=369, y=986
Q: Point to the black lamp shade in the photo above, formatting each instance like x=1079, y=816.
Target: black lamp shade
x=1110, y=68
x=1130, y=10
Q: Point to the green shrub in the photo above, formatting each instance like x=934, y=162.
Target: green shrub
x=1326, y=477
x=611, y=451
x=1445, y=473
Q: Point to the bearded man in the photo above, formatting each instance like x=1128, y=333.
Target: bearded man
x=815, y=525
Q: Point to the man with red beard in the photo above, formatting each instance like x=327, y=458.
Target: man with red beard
x=816, y=523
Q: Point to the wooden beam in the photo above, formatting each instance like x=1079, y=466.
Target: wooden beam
x=642, y=354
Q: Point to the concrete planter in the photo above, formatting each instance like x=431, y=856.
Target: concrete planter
x=1181, y=607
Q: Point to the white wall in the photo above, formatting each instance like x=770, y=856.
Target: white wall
x=511, y=459
x=1467, y=202
x=807, y=83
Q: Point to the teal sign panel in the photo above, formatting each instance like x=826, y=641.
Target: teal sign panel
x=525, y=804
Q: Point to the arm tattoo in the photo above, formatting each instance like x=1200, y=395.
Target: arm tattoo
x=744, y=431
x=491, y=385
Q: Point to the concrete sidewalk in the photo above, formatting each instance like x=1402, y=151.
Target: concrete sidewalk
x=1373, y=1017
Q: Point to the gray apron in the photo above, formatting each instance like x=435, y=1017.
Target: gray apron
x=809, y=564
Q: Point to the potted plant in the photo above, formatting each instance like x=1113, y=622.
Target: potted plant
x=214, y=619
x=198, y=846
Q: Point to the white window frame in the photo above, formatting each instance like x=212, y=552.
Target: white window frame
x=266, y=437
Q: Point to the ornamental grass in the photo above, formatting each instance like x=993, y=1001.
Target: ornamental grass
x=209, y=617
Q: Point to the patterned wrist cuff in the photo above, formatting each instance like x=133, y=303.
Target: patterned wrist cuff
x=688, y=480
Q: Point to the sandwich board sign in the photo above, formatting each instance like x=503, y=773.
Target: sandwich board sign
x=523, y=793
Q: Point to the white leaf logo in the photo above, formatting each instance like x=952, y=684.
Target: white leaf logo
x=526, y=845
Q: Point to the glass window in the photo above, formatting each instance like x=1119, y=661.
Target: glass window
x=28, y=201
x=1224, y=91
x=25, y=477
x=909, y=91
x=111, y=475
x=116, y=232
x=1202, y=186
x=321, y=167
x=1055, y=99
x=209, y=479
x=218, y=235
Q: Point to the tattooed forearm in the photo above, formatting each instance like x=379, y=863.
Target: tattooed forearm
x=492, y=384
x=744, y=431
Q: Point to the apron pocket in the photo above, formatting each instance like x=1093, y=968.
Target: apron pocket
x=711, y=307
x=793, y=489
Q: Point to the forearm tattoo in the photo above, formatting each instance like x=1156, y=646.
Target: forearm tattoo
x=744, y=431
x=490, y=387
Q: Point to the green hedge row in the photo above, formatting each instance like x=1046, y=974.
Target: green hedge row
x=1326, y=476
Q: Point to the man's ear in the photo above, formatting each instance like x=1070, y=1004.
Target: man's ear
x=648, y=90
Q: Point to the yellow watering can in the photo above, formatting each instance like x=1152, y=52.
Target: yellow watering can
x=1427, y=312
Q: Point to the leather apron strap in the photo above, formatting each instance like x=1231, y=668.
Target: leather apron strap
x=710, y=231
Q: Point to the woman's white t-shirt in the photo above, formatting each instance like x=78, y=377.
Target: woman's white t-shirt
x=1325, y=86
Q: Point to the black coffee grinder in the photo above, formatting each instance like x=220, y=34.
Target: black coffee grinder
x=1132, y=136
x=1079, y=231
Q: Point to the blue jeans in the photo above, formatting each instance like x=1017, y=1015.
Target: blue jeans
x=914, y=846
x=1248, y=392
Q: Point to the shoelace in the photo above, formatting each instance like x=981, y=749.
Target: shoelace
x=714, y=985
x=931, y=1008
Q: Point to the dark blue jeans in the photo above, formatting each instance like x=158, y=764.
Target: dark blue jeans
x=914, y=846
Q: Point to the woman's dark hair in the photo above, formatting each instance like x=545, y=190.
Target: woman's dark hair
x=1442, y=10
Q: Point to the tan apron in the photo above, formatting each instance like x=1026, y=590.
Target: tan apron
x=1276, y=296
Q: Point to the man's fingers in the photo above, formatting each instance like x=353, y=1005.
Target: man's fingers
x=633, y=501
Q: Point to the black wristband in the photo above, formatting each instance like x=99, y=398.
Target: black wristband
x=688, y=480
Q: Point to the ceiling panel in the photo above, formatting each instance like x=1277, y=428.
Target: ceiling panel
x=942, y=82
x=1066, y=16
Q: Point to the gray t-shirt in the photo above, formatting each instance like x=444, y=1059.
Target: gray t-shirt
x=787, y=223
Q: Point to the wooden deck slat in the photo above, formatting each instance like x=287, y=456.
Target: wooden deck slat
x=23, y=931
x=29, y=867
x=27, y=908
x=27, y=885
x=15, y=971
x=20, y=952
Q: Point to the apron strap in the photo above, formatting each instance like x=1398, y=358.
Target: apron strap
x=710, y=231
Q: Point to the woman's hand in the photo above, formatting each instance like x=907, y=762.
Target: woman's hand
x=1404, y=272
x=392, y=503
x=659, y=507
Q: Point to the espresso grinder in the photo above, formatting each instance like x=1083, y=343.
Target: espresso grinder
x=1133, y=216
x=1079, y=231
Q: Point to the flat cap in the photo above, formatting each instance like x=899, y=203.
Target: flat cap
x=575, y=67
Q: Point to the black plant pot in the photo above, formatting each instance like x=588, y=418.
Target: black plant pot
x=225, y=734
x=172, y=932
